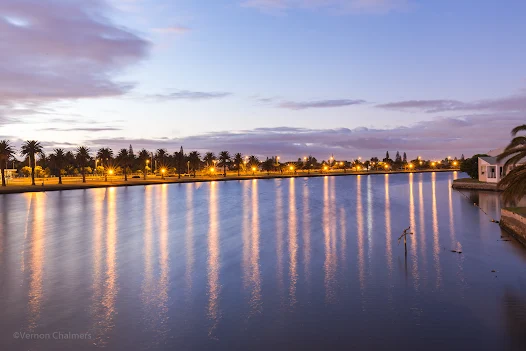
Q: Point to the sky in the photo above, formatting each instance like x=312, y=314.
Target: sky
x=347, y=78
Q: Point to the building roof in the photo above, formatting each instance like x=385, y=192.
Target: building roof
x=489, y=159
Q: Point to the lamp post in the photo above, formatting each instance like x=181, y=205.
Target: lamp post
x=253, y=170
x=163, y=171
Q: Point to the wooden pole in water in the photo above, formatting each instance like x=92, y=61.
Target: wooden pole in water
x=404, y=235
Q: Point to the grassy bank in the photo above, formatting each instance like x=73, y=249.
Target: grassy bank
x=51, y=184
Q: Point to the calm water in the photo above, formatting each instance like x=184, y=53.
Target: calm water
x=281, y=264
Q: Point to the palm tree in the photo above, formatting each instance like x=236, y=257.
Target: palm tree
x=194, y=159
x=253, y=162
x=30, y=148
x=161, y=156
x=123, y=159
x=6, y=153
x=515, y=180
x=58, y=160
x=105, y=155
x=144, y=157
x=238, y=160
x=209, y=159
x=224, y=159
x=83, y=159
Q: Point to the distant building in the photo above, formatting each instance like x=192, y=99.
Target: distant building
x=491, y=170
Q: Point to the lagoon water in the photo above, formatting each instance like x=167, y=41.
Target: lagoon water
x=305, y=263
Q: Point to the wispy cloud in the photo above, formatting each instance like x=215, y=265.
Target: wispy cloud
x=189, y=95
x=440, y=137
x=506, y=104
x=171, y=30
x=337, y=6
x=302, y=105
x=81, y=129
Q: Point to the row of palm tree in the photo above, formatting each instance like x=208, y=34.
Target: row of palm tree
x=79, y=161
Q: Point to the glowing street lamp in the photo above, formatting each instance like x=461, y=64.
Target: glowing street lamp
x=212, y=170
x=411, y=166
x=433, y=164
x=163, y=171
x=325, y=168
x=455, y=163
x=253, y=170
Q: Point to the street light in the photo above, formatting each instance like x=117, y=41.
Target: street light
x=110, y=172
x=253, y=170
x=163, y=171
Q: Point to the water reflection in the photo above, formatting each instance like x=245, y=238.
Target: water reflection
x=413, y=238
x=329, y=265
x=422, y=230
x=36, y=263
x=388, y=234
x=189, y=241
x=306, y=235
x=360, y=224
x=148, y=287
x=436, y=244
x=213, y=262
x=164, y=263
x=110, y=286
x=293, y=243
x=279, y=239
x=255, y=298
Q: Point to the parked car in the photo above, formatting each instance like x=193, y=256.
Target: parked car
x=136, y=176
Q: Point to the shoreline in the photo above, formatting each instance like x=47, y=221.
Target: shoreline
x=93, y=184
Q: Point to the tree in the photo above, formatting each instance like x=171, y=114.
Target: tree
x=179, y=159
x=387, y=156
x=224, y=160
x=83, y=159
x=105, y=155
x=6, y=153
x=209, y=159
x=253, y=162
x=471, y=167
x=123, y=159
x=404, y=158
x=144, y=158
x=161, y=156
x=514, y=181
x=58, y=160
x=195, y=159
x=238, y=160
x=268, y=165
x=30, y=148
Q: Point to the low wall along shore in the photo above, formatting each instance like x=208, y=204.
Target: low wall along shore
x=473, y=184
x=514, y=222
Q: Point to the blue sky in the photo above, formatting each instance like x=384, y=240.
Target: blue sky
x=267, y=77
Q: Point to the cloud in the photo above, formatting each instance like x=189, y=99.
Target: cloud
x=189, y=95
x=338, y=6
x=63, y=49
x=302, y=105
x=506, y=104
x=81, y=129
x=171, y=30
x=440, y=137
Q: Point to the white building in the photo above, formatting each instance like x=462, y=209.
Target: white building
x=491, y=170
